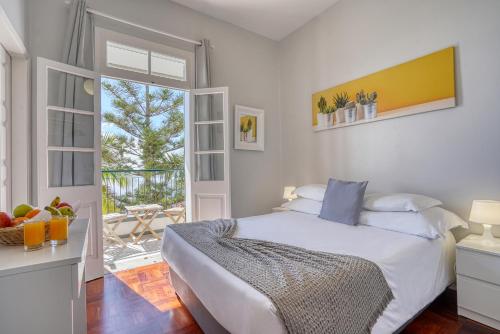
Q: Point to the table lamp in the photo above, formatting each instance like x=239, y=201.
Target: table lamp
x=487, y=213
x=289, y=194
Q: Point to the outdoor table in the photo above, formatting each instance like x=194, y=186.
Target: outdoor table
x=175, y=214
x=110, y=232
x=145, y=215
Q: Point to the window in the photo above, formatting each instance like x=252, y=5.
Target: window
x=128, y=57
x=168, y=67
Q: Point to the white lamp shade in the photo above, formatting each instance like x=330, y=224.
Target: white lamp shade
x=485, y=212
x=288, y=193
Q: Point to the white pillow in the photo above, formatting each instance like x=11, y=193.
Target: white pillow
x=431, y=223
x=399, y=202
x=305, y=205
x=312, y=191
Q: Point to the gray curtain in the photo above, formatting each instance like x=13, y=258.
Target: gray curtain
x=209, y=167
x=67, y=129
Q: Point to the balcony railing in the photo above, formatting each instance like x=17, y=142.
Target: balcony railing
x=121, y=188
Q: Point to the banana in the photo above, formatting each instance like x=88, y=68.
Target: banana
x=55, y=202
x=53, y=211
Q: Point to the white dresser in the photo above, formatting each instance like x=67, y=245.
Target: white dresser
x=44, y=291
x=478, y=280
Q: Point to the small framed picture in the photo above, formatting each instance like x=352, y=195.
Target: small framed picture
x=248, y=128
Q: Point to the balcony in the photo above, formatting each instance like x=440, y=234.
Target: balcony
x=124, y=188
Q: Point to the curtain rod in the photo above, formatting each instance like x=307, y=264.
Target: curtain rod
x=114, y=18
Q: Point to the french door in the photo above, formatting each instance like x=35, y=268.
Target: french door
x=68, y=126
x=207, y=162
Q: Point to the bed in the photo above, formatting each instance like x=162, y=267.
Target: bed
x=416, y=269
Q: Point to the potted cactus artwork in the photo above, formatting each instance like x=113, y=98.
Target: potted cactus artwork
x=350, y=112
x=340, y=101
x=322, y=115
x=369, y=103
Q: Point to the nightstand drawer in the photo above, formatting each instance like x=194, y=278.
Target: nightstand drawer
x=478, y=296
x=478, y=265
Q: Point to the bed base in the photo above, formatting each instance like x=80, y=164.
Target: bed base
x=206, y=321
x=187, y=297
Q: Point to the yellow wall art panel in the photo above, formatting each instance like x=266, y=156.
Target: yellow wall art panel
x=420, y=85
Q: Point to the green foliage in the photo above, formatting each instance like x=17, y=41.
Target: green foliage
x=143, y=145
x=322, y=105
x=361, y=97
x=330, y=110
x=340, y=100
x=372, y=97
x=365, y=99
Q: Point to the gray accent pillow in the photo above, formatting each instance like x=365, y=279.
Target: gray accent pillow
x=343, y=201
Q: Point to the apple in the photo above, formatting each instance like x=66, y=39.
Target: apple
x=5, y=220
x=62, y=204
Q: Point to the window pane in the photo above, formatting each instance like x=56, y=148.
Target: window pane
x=168, y=67
x=68, y=169
x=209, y=107
x=209, y=137
x=70, y=91
x=126, y=57
x=70, y=130
x=210, y=167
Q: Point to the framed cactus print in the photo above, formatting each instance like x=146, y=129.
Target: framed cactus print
x=248, y=128
x=420, y=85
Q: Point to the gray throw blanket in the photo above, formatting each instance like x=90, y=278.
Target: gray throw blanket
x=314, y=292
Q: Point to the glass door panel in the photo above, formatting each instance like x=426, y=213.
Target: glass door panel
x=67, y=90
x=67, y=129
x=209, y=107
x=209, y=137
x=210, y=167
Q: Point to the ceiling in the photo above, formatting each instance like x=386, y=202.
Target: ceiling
x=274, y=19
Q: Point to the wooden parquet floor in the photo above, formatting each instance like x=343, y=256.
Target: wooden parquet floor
x=142, y=301
x=137, y=301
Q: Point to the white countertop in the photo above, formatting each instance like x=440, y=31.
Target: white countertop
x=14, y=260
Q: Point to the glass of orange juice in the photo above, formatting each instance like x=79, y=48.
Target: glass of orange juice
x=58, y=230
x=34, y=235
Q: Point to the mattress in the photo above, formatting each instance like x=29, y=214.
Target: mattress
x=416, y=269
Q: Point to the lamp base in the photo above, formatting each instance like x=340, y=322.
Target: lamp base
x=488, y=237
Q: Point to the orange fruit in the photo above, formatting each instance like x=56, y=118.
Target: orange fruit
x=32, y=213
x=18, y=221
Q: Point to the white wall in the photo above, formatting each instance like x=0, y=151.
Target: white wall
x=16, y=11
x=244, y=61
x=452, y=154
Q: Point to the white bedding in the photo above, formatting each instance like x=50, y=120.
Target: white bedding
x=416, y=269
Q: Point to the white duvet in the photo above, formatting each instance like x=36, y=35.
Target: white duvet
x=416, y=269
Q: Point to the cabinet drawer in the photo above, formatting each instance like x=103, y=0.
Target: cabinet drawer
x=478, y=265
x=480, y=297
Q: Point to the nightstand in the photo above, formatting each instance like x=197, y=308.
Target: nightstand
x=280, y=209
x=478, y=280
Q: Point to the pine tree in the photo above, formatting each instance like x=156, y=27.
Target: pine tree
x=151, y=123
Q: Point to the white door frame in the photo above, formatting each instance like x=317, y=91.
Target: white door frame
x=20, y=120
x=197, y=191
x=93, y=207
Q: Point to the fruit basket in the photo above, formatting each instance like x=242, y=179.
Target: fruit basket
x=14, y=236
x=12, y=228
